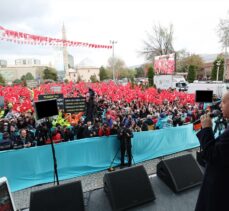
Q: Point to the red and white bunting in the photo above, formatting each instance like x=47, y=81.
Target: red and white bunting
x=24, y=38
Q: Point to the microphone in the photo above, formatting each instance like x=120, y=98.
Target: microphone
x=213, y=114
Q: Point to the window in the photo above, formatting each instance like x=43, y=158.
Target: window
x=24, y=61
x=180, y=84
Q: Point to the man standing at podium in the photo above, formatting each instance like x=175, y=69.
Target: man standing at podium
x=214, y=191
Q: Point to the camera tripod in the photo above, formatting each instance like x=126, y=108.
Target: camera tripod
x=112, y=168
x=56, y=178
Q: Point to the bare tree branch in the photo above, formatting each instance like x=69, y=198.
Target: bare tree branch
x=159, y=42
x=223, y=31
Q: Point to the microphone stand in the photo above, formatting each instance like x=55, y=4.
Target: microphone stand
x=56, y=178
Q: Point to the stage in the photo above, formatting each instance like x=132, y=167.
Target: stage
x=166, y=200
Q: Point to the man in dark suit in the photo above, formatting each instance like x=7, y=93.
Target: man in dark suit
x=124, y=135
x=214, y=191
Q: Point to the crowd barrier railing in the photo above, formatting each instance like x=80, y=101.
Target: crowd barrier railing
x=32, y=166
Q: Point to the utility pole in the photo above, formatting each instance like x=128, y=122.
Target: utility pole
x=225, y=58
x=218, y=65
x=113, y=62
x=65, y=52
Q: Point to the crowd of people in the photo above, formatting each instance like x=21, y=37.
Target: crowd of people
x=106, y=114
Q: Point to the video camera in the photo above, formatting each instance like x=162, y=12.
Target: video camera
x=206, y=96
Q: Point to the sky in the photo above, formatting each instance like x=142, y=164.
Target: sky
x=100, y=21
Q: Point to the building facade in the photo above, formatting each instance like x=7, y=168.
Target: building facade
x=83, y=72
x=70, y=61
x=27, y=62
x=12, y=73
x=3, y=63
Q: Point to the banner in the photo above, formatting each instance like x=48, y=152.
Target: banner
x=55, y=88
x=74, y=105
x=59, y=98
x=32, y=83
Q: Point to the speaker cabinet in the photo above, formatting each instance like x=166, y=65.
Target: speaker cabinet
x=128, y=187
x=66, y=197
x=180, y=173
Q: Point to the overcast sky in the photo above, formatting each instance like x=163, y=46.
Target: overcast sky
x=99, y=21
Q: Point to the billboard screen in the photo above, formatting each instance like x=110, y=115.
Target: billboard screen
x=165, y=64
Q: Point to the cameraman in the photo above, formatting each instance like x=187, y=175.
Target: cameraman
x=124, y=135
x=214, y=191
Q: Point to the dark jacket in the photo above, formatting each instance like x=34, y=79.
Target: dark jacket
x=5, y=144
x=87, y=132
x=214, y=191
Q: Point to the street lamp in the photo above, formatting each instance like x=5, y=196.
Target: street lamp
x=113, y=62
x=218, y=64
x=225, y=57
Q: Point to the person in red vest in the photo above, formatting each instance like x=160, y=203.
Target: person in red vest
x=104, y=130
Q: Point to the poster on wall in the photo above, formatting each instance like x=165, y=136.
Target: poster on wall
x=55, y=89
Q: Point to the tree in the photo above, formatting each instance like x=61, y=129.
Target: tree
x=219, y=59
x=29, y=76
x=103, y=74
x=159, y=42
x=184, y=62
x=119, y=65
x=150, y=75
x=223, y=31
x=79, y=78
x=50, y=73
x=125, y=73
x=139, y=72
x=23, y=78
x=130, y=73
x=181, y=56
x=93, y=78
x=17, y=81
x=191, y=73
x=2, y=80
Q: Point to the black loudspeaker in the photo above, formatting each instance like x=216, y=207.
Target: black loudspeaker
x=128, y=187
x=180, y=173
x=66, y=197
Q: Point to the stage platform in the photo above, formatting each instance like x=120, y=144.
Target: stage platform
x=166, y=199
x=93, y=185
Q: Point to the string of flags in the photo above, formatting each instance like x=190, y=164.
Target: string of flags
x=30, y=39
